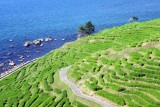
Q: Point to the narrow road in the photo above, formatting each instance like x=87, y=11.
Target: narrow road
x=77, y=91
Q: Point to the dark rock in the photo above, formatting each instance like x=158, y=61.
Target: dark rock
x=26, y=44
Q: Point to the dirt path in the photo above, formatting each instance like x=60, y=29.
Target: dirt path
x=77, y=91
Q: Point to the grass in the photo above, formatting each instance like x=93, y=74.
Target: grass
x=119, y=59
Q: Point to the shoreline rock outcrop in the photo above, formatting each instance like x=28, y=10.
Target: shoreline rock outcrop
x=11, y=63
x=10, y=40
x=1, y=64
x=41, y=45
x=48, y=39
x=37, y=42
x=28, y=43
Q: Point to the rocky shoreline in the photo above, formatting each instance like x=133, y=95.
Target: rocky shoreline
x=11, y=57
x=7, y=73
x=37, y=41
x=11, y=63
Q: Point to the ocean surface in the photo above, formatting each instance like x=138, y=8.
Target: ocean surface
x=27, y=20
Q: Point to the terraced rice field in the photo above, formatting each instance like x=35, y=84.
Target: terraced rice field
x=120, y=65
x=132, y=80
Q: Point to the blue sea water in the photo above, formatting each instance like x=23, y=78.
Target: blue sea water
x=27, y=20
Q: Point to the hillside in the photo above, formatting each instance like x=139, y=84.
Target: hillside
x=120, y=65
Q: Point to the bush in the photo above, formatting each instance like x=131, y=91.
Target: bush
x=86, y=30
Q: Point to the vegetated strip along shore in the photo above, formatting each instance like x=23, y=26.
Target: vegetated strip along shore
x=11, y=71
x=77, y=91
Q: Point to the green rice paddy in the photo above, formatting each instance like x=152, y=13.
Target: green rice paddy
x=121, y=65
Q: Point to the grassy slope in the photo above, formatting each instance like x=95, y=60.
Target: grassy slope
x=36, y=81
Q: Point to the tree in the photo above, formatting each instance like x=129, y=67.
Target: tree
x=132, y=19
x=81, y=29
x=86, y=30
x=89, y=28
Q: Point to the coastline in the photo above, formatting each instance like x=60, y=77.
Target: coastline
x=15, y=68
x=21, y=65
x=21, y=54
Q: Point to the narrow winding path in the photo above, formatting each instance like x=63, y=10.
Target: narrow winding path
x=77, y=91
